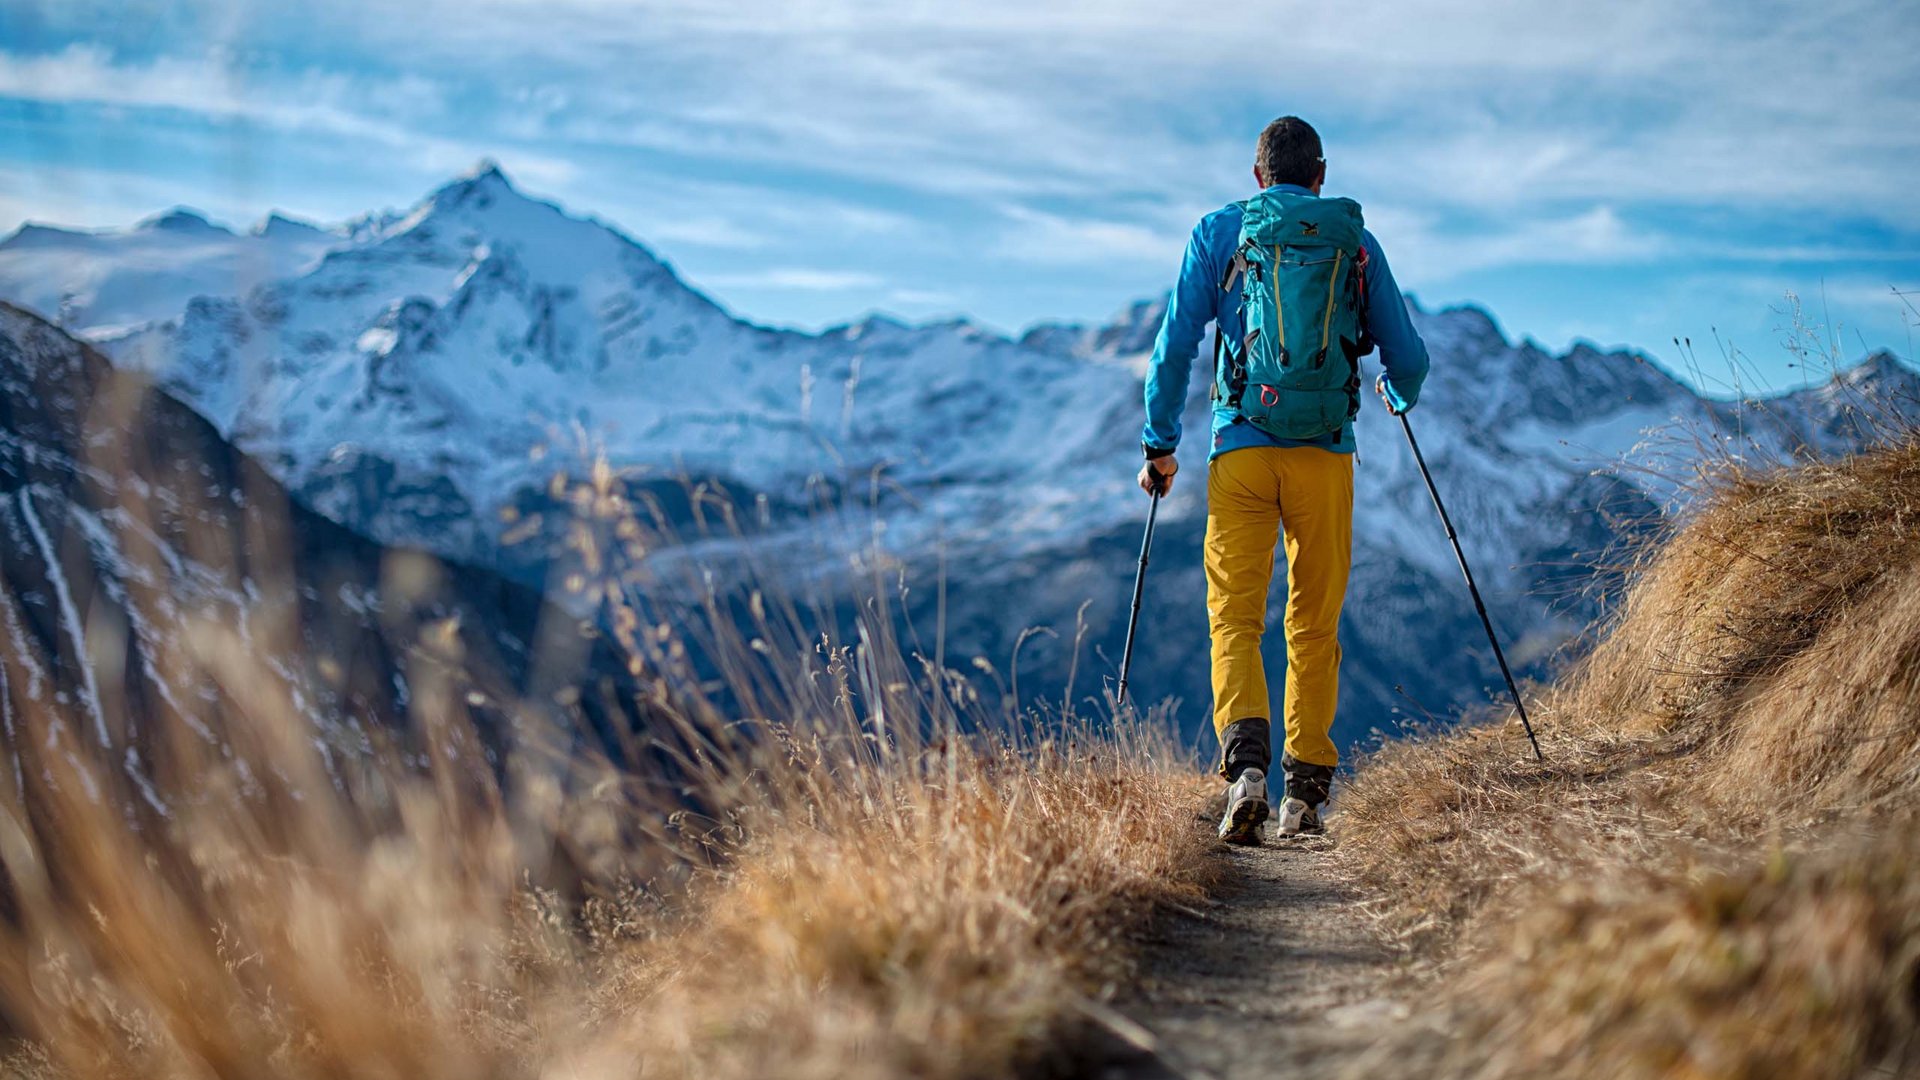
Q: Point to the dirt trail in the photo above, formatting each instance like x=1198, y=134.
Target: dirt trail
x=1281, y=976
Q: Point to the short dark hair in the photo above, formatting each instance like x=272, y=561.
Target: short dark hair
x=1289, y=152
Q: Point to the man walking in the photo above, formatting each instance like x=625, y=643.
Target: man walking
x=1298, y=292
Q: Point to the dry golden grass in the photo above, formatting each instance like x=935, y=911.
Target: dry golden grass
x=880, y=881
x=950, y=913
x=1715, y=872
x=943, y=934
x=1794, y=962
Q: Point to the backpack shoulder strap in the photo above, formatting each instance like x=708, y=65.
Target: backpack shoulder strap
x=1236, y=266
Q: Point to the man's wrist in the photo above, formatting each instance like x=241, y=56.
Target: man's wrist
x=1154, y=452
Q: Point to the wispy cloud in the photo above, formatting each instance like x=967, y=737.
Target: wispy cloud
x=87, y=198
x=390, y=113
x=924, y=299
x=797, y=278
x=1425, y=247
x=705, y=231
x=1510, y=98
x=1036, y=236
x=984, y=147
x=729, y=215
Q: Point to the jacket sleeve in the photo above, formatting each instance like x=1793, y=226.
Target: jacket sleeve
x=1402, y=353
x=1194, y=303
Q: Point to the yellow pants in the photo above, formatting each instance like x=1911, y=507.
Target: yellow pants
x=1253, y=494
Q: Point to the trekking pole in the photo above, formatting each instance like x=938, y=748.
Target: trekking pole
x=1454, y=539
x=1139, y=588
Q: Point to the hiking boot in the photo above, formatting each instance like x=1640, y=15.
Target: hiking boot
x=1311, y=784
x=1299, y=818
x=1245, y=821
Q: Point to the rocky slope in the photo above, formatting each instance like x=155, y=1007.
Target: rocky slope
x=152, y=577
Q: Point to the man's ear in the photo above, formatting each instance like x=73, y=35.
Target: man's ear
x=1259, y=179
x=1321, y=179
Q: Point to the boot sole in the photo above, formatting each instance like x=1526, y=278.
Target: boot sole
x=1244, y=821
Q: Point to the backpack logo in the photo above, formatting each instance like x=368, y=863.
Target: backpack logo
x=1309, y=228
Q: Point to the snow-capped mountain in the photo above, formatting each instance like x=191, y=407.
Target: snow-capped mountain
x=101, y=283
x=422, y=380
x=151, y=577
x=400, y=385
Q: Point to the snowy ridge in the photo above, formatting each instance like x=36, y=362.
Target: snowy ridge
x=102, y=283
x=422, y=362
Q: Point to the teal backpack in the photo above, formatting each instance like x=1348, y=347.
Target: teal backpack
x=1296, y=374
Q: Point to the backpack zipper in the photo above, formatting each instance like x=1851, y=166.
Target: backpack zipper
x=1326, y=321
x=1279, y=312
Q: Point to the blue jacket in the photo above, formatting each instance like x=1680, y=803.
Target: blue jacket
x=1198, y=300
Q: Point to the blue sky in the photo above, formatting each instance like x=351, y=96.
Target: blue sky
x=1626, y=173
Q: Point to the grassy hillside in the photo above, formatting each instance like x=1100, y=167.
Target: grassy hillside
x=1717, y=871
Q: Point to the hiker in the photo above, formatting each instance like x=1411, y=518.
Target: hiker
x=1298, y=292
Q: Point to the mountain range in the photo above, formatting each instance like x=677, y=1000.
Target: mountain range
x=419, y=378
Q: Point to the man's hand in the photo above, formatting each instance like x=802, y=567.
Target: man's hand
x=1380, y=387
x=1156, y=476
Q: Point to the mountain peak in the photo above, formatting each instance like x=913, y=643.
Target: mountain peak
x=1880, y=366
x=486, y=169
x=484, y=181
x=183, y=220
x=1473, y=315
x=35, y=234
x=1130, y=332
x=278, y=225
x=480, y=189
